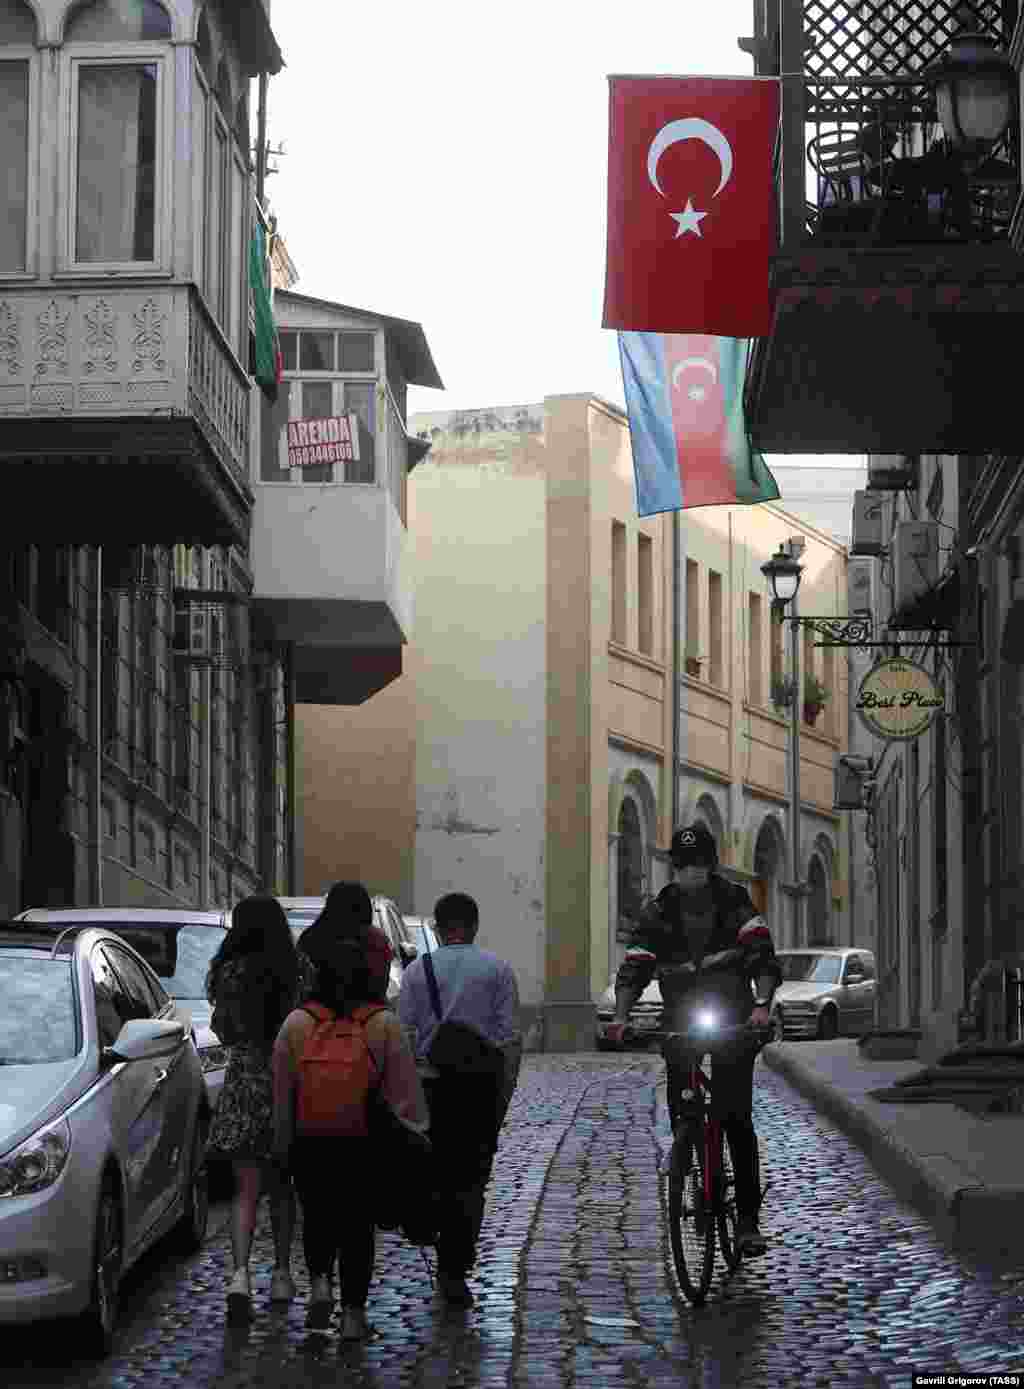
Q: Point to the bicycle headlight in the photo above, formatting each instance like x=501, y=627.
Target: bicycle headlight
x=706, y=1019
x=36, y=1163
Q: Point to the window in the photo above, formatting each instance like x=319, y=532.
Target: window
x=104, y=21
x=645, y=594
x=317, y=404
x=361, y=400
x=273, y=423
x=147, y=842
x=289, y=342
x=693, y=651
x=115, y=174
x=715, y=635
x=133, y=981
x=755, y=687
x=619, y=582
x=113, y=1006
x=809, y=670
x=355, y=352
x=828, y=662
x=775, y=656
x=14, y=101
x=316, y=352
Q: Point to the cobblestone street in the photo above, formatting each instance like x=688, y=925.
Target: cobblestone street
x=574, y=1285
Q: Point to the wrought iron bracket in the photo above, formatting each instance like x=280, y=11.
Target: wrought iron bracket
x=858, y=631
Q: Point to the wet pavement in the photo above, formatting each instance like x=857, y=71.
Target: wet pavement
x=574, y=1285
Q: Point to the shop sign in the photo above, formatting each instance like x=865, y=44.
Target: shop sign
x=332, y=440
x=898, y=699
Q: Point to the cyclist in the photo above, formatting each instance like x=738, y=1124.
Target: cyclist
x=707, y=944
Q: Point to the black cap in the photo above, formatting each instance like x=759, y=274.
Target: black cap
x=693, y=845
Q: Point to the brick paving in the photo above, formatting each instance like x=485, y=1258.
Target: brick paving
x=574, y=1288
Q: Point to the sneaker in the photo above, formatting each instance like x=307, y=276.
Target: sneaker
x=455, y=1291
x=749, y=1239
x=239, y=1298
x=282, y=1286
x=354, y=1326
x=321, y=1304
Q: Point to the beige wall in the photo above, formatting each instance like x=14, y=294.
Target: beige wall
x=356, y=793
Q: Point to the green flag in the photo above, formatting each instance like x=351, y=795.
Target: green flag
x=267, y=363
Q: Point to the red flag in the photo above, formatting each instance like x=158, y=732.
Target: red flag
x=691, y=204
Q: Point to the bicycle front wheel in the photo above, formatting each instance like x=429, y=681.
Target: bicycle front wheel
x=691, y=1224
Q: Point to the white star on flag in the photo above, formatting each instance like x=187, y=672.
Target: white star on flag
x=688, y=219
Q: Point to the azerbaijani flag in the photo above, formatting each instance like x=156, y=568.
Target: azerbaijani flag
x=684, y=398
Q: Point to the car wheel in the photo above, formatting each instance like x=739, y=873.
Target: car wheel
x=191, y=1229
x=100, y=1317
x=778, y=1031
x=828, y=1025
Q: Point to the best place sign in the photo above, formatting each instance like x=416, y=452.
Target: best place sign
x=332, y=440
x=898, y=699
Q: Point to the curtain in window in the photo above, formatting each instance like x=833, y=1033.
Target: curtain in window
x=13, y=164
x=116, y=164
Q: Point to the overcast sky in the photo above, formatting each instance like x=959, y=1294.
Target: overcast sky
x=447, y=163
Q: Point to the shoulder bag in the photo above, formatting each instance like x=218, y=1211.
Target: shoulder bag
x=458, y=1048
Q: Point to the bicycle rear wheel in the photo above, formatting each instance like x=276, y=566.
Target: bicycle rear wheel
x=691, y=1225
x=727, y=1208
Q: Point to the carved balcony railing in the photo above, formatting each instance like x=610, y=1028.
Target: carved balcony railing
x=218, y=391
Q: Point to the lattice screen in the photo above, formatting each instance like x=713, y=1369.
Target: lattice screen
x=871, y=38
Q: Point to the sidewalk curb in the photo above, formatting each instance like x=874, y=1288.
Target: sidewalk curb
x=972, y=1218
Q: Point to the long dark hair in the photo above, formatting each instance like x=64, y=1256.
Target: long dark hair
x=259, y=932
x=341, y=973
x=347, y=912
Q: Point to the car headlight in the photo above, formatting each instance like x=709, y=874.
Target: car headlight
x=213, y=1058
x=36, y=1163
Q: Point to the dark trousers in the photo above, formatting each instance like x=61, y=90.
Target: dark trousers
x=334, y=1180
x=465, y=1115
x=732, y=1099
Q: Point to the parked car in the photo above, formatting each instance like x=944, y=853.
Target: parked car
x=421, y=933
x=178, y=945
x=102, y=1123
x=825, y=992
x=303, y=911
x=644, y=1017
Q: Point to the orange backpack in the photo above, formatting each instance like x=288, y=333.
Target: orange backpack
x=337, y=1074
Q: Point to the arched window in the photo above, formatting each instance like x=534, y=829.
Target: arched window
x=767, y=861
x=631, y=860
x=17, y=24
x=818, y=929
x=104, y=21
x=17, y=30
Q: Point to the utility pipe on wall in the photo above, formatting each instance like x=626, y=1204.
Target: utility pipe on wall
x=677, y=722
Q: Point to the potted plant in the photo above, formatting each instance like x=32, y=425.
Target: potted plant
x=783, y=690
x=815, y=695
x=693, y=661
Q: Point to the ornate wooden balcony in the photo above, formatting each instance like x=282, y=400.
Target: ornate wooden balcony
x=898, y=284
x=121, y=407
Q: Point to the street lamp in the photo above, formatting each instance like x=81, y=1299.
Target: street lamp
x=974, y=85
x=783, y=572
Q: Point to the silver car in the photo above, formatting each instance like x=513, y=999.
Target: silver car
x=102, y=1124
x=178, y=945
x=825, y=992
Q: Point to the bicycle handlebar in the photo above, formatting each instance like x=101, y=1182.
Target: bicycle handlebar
x=706, y=1038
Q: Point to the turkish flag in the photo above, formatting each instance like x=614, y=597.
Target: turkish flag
x=691, y=204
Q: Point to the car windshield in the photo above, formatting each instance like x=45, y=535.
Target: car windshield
x=179, y=955
x=38, y=1023
x=300, y=918
x=810, y=969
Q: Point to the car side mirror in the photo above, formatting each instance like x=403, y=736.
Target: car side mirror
x=146, y=1039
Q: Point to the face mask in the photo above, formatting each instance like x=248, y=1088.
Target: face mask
x=693, y=877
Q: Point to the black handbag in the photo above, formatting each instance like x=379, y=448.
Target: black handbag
x=401, y=1154
x=457, y=1047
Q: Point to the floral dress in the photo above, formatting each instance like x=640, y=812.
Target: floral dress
x=242, y=1128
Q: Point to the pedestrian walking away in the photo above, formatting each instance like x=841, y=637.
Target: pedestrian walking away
x=253, y=984
x=707, y=944
x=460, y=1006
x=348, y=915
x=331, y=1055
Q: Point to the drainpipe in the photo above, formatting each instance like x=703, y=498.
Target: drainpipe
x=677, y=722
x=97, y=773
x=261, y=141
x=206, y=782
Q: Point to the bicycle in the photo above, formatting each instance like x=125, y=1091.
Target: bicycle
x=701, y=1182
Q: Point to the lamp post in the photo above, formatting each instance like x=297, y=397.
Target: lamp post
x=783, y=572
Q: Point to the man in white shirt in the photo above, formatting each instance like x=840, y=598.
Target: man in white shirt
x=479, y=990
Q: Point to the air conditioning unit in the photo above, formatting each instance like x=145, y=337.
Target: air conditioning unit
x=915, y=562
x=860, y=586
x=892, y=472
x=191, y=630
x=868, y=509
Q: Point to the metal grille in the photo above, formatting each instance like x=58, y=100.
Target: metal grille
x=870, y=39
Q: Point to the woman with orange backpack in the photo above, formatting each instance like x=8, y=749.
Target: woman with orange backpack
x=331, y=1057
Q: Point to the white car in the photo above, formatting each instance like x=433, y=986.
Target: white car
x=178, y=945
x=303, y=911
x=102, y=1124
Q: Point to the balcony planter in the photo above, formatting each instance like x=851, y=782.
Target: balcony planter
x=815, y=696
x=783, y=690
x=692, y=665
